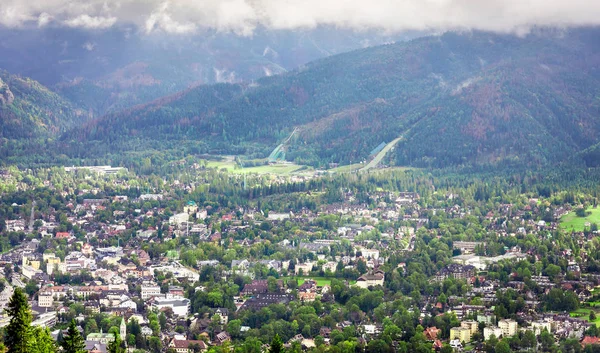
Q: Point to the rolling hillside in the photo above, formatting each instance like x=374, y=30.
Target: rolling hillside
x=473, y=98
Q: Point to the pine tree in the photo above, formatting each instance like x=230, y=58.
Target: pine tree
x=276, y=345
x=41, y=341
x=73, y=342
x=18, y=331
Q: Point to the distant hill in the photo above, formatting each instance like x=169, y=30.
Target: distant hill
x=459, y=99
x=106, y=71
x=29, y=110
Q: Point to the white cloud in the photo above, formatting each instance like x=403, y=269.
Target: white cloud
x=91, y=22
x=43, y=19
x=161, y=19
x=89, y=46
x=243, y=16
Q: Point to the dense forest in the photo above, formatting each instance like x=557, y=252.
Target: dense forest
x=29, y=110
x=476, y=100
x=456, y=99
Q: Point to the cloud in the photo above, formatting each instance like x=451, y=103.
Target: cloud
x=90, y=22
x=89, y=46
x=161, y=19
x=44, y=19
x=244, y=16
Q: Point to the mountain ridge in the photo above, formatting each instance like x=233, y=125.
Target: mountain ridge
x=458, y=99
x=107, y=71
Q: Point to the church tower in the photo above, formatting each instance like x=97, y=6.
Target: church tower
x=123, y=330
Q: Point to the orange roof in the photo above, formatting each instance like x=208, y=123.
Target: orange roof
x=431, y=333
x=590, y=340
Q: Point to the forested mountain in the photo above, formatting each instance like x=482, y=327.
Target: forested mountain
x=456, y=98
x=29, y=110
x=105, y=71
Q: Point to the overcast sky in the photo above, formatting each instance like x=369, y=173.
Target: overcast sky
x=243, y=16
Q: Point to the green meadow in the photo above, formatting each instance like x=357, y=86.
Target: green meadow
x=571, y=221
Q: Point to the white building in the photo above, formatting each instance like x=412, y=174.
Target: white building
x=368, y=253
x=508, y=327
x=306, y=268
x=488, y=331
x=371, y=280
x=129, y=304
x=180, y=307
x=29, y=272
x=179, y=218
x=45, y=299
x=154, y=197
x=539, y=326
x=202, y=214
x=278, y=216
x=45, y=320
x=150, y=290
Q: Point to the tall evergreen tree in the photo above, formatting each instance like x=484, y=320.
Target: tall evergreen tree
x=276, y=345
x=73, y=342
x=18, y=331
x=41, y=341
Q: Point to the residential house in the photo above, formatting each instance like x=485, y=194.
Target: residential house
x=371, y=279
x=431, y=333
x=187, y=346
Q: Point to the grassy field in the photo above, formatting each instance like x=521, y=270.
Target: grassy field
x=570, y=221
x=347, y=168
x=228, y=163
x=225, y=164
x=584, y=313
x=269, y=169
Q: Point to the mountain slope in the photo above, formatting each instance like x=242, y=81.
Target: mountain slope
x=30, y=110
x=462, y=99
x=105, y=71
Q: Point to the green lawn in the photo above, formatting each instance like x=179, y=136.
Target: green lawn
x=570, y=221
x=347, y=168
x=224, y=164
x=230, y=165
x=269, y=169
x=584, y=313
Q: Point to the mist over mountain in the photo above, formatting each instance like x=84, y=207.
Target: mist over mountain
x=104, y=71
